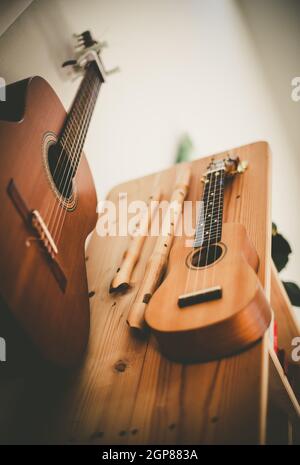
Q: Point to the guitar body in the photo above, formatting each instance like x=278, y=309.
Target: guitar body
x=219, y=327
x=56, y=320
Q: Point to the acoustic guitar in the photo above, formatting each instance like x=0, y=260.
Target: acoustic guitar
x=48, y=207
x=211, y=303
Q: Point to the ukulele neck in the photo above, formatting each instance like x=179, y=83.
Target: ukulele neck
x=75, y=129
x=209, y=224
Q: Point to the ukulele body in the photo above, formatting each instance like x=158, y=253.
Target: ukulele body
x=220, y=327
x=56, y=320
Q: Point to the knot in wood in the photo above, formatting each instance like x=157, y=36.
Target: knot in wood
x=120, y=366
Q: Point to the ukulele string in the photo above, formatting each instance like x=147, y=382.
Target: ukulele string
x=203, y=248
x=192, y=249
x=79, y=117
x=219, y=219
x=216, y=175
x=77, y=152
x=203, y=238
x=63, y=212
x=69, y=128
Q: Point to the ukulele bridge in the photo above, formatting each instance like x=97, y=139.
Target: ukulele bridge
x=199, y=297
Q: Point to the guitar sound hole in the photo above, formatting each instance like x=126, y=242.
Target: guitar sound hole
x=206, y=256
x=61, y=170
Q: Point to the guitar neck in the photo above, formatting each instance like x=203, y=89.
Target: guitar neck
x=75, y=129
x=209, y=224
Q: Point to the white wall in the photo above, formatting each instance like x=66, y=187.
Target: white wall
x=10, y=10
x=274, y=27
x=187, y=65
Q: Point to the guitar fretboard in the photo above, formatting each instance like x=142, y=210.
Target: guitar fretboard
x=74, y=132
x=209, y=224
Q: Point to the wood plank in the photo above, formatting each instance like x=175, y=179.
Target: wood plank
x=126, y=392
x=288, y=326
x=281, y=392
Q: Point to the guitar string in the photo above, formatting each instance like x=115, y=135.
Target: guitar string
x=93, y=98
x=72, y=121
x=215, y=175
x=65, y=177
x=77, y=121
x=61, y=210
x=64, y=144
x=77, y=155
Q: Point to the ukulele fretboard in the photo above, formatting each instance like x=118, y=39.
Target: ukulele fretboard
x=209, y=224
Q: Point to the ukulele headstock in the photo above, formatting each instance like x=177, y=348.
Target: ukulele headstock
x=87, y=49
x=231, y=165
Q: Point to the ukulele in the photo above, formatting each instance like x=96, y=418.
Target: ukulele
x=211, y=303
x=48, y=207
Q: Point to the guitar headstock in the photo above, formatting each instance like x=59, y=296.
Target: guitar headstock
x=231, y=165
x=88, y=49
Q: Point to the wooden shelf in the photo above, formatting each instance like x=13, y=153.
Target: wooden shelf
x=125, y=392
x=283, y=419
x=280, y=389
x=288, y=325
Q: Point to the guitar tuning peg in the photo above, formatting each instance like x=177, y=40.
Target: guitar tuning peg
x=103, y=44
x=113, y=71
x=69, y=63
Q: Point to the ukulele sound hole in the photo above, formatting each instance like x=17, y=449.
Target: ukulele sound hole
x=61, y=170
x=206, y=256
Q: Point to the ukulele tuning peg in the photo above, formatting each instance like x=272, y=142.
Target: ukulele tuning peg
x=232, y=158
x=242, y=166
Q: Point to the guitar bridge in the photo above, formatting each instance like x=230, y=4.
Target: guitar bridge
x=198, y=297
x=43, y=233
x=35, y=222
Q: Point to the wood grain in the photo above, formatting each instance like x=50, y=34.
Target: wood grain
x=57, y=322
x=122, y=280
x=288, y=326
x=218, y=328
